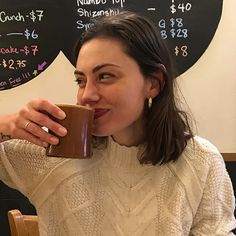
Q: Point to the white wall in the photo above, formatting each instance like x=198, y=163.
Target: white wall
x=209, y=86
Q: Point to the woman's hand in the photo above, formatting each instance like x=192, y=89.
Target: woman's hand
x=28, y=122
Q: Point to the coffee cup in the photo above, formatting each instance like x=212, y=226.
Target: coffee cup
x=77, y=143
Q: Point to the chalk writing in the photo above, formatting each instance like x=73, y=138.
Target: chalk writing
x=32, y=34
x=3, y=85
x=33, y=15
x=13, y=64
x=90, y=2
x=182, y=50
x=151, y=9
x=119, y=2
x=89, y=13
x=82, y=25
x=16, y=17
x=176, y=30
x=42, y=65
x=15, y=81
x=183, y=7
x=27, y=33
x=26, y=50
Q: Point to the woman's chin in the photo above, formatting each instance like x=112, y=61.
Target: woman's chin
x=104, y=129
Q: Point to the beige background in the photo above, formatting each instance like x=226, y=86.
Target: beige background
x=209, y=87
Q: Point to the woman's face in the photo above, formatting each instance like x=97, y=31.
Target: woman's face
x=111, y=83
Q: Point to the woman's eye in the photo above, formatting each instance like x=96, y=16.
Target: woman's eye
x=104, y=76
x=80, y=82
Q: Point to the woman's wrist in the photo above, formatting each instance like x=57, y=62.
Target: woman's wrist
x=4, y=137
x=5, y=132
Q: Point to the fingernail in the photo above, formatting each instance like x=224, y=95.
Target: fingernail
x=61, y=114
x=54, y=140
x=62, y=131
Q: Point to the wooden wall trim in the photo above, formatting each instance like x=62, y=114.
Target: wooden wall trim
x=229, y=156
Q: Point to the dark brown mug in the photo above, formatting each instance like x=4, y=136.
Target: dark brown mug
x=77, y=143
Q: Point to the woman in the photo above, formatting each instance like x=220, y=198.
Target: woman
x=149, y=175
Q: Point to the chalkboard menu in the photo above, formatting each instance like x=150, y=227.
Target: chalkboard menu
x=32, y=33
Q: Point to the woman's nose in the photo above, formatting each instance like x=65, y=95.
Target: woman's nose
x=89, y=94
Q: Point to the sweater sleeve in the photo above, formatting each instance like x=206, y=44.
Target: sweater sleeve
x=23, y=165
x=215, y=214
x=4, y=176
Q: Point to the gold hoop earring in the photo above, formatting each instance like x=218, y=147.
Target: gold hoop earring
x=150, y=102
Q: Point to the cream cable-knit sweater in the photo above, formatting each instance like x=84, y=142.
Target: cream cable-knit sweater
x=113, y=195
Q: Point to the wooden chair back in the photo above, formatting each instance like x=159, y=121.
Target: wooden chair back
x=22, y=225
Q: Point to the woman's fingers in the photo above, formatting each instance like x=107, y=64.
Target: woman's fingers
x=38, y=132
x=33, y=121
x=23, y=134
x=48, y=107
x=44, y=120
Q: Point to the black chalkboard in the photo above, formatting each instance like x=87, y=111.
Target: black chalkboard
x=33, y=32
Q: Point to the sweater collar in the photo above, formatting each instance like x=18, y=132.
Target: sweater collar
x=120, y=156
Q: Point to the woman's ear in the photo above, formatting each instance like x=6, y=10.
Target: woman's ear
x=157, y=80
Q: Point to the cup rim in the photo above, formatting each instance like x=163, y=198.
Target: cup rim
x=73, y=105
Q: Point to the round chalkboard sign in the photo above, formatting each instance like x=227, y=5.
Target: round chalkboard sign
x=187, y=26
x=29, y=33
x=33, y=32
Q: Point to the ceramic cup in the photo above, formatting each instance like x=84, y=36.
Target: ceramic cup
x=78, y=140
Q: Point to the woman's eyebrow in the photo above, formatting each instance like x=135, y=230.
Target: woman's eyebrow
x=77, y=72
x=98, y=67
x=95, y=69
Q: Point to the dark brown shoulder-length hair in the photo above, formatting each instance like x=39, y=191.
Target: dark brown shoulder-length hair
x=166, y=128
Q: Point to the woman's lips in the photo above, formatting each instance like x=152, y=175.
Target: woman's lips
x=99, y=112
